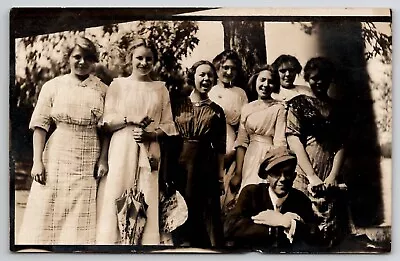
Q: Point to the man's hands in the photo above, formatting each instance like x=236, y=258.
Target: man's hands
x=275, y=218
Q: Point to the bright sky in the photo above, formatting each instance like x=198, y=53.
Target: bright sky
x=211, y=36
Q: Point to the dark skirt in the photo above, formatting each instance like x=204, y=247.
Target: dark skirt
x=197, y=179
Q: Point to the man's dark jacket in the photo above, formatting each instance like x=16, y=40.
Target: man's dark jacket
x=241, y=231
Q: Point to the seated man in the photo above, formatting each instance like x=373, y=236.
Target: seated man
x=273, y=215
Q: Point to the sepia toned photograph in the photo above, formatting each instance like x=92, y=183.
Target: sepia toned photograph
x=200, y=130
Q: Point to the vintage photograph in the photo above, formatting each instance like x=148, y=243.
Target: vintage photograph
x=221, y=130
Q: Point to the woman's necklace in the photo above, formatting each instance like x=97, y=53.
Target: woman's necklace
x=200, y=102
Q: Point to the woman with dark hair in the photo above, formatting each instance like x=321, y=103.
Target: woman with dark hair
x=230, y=97
x=199, y=177
x=287, y=67
x=262, y=127
x=316, y=132
x=137, y=112
x=61, y=207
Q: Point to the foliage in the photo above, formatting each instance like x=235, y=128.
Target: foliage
x=380, y=43
x=383, y=104
x=39, y=59
x=377, y=46
x=43, y=57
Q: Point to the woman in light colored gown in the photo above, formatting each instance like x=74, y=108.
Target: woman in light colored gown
x=231, y=99
x=61, y=207
x=228, y=96
x=129, y=101
x=262, y=126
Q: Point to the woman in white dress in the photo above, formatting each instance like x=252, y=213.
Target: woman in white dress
x=61, y=207
x=231, y=99
x=129, y=101
x=287, y=67
x=262, y=126
x=228, y=96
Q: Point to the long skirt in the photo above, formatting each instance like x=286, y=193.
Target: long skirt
x=197, y=180
x=63, y=211
x=230, y=167
x=123, y=162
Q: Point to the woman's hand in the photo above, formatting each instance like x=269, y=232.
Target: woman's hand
x=102, y=169
x=141, y=135
x=316, y=185
x=330, y=181
x=146, y=121
x=235, y=183
x=38, y=172
x=314, y=180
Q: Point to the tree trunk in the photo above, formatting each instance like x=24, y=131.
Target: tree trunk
x=247, y=38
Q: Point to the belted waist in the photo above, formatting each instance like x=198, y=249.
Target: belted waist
x=192, y=140
x=196, y=140
x=199, y=143
x=261, y=138
x=75, y=127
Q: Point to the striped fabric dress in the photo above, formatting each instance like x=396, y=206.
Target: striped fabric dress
x=63, y=211
x=203, y=137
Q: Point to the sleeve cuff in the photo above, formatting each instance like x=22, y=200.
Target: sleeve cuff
x=169, y=128
x=109, y=118
x=289, y=232
x=39, y=124
x=240, y=144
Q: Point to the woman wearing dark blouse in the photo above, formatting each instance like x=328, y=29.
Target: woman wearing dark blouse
x=202, y=128
x=316, y=132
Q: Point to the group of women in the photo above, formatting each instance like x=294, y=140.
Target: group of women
x=106, y=137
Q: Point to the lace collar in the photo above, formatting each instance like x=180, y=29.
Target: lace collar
x=200, y=103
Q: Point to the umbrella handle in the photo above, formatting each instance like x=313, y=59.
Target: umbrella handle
x=136, y=179
x=143, y=124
